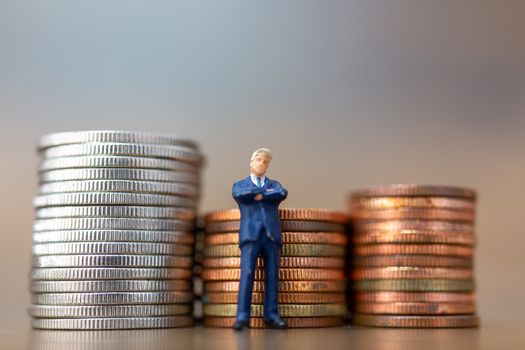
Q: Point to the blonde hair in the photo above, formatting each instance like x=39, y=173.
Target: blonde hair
x=264, y=151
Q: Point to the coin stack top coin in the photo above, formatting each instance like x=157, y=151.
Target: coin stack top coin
x=412, y=256
x=311, y=275
x=114, y=235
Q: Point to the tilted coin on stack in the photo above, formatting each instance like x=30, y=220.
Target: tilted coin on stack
x=114, y=236
x=311, y=274
x=413, y=249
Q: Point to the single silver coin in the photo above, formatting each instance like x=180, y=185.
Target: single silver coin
x=183, y=154
x=112, y=323
x=179, y=237
x=115, y=211
x=113, y=298
x=133, y=186
x=110, y=286
x=115, y=162
x=113, y=261
x=109, y=273
x=111, y=248
x=118, y=174
x=71, y=137
x=113, y=198
x=74, y=311
x=111, y=224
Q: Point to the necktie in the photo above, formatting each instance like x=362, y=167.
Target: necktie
x=259, y=182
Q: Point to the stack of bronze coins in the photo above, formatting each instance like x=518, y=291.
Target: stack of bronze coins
x=311, y=275
x=114, y=231
x=412, y=257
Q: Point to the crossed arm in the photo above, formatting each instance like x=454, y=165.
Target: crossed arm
x=258, y=194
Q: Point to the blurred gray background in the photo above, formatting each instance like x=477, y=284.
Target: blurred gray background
x=346, y=93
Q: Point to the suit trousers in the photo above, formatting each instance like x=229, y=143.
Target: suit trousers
x=270, y=252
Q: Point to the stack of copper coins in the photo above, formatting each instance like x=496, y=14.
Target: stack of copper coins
x=412, y=257
x=311, y=275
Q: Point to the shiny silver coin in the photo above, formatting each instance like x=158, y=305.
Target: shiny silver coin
x=109, y=273
x=178, y=237
x=58, y=311
x=100, y=161
x=114, y=211
x=111, y=248
x=183, y=154
x=114, y=198
x=109, y=286
x=112, y=224
x=118, y=174
x=119, y=298
x=70, y=137
x=112, y=323
x=133, y=186
x=113, y=261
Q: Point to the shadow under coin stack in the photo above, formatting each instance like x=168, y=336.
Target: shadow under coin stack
x=311, y=275
x=413, y=252
x=114, y=231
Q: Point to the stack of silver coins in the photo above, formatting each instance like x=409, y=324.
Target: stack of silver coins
x=114, y=231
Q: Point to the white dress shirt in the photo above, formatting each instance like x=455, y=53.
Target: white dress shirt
x=254, y=179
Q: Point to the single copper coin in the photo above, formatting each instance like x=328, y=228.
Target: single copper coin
x=359, y=203
x=284, y=274
x=415, y=236
x=308, y=214
x=409, y=225
x=284, y=298
x=456, y=321
x=293, y=322
x=313, y=250
x=411, y=272
x=413, y=190
x=284, y=286
x=286, y=226
x=425, y=297
x=414, y=249
x=285, y=262
x=411, y=260
x=416, y=285
x=288, y=238
x=413, y=213
x=416, y=308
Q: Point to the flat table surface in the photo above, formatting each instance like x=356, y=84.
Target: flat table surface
x=488, y=336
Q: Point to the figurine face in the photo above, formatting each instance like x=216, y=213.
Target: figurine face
x=259, y=164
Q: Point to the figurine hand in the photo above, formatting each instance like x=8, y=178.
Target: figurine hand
x=258, y=197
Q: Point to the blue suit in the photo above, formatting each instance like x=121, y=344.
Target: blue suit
x=259, y=234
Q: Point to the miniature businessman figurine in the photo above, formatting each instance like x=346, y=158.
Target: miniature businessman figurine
x=258, y=198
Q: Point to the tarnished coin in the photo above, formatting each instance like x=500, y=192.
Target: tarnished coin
x=411, y=272
x=59, y=311
x=183, y=154
x=109, y=273
x=113, y=298
x=285, y=310
x=109, y=286
x=413, y=213
x=415, y=236
x=419, y=285
x=284, y=286
x=285, y=262
x=413, y=190
x=286, y=226
x=88, y=136
x=414, y=249
x=113, y=198
x=118, y=174
x=101, y=161
x=374, y=203
x=456, y=321
x=286, y=250
x=112, y=323
x=112, y=261
x=114, y=236
x=306, y=214
x=111, y=224
x=423, y=297
x=288, y=238
x=408, y=225
x=132, y=186
x=293, y=322
x=415, y=308
x=85, y=248
x=284, y=298
x=284, y=274
x=412, y=260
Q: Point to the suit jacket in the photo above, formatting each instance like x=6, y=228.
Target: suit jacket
x=259, y=216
